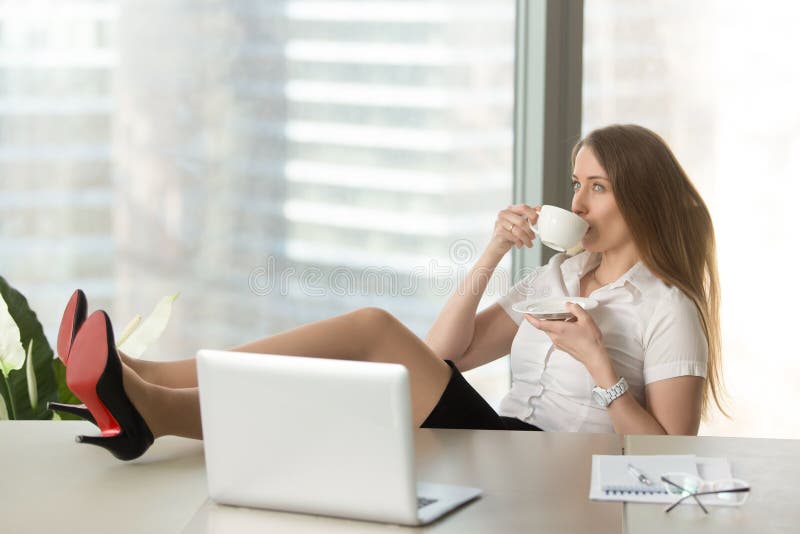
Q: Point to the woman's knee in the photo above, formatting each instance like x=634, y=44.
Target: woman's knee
x=374, y=317
x=375, y=326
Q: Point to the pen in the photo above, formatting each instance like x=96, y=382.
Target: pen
x=639, y=475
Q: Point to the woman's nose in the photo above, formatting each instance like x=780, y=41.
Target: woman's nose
x=578, y=205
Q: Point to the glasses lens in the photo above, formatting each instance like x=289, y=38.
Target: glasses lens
x=736, y=498
x=682, y=483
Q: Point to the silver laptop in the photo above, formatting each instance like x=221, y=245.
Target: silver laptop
x=317, y=436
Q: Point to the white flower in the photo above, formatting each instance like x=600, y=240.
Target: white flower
x=12, y=354
x=135, y=343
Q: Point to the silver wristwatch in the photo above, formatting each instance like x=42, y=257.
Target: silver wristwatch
x=604, y=397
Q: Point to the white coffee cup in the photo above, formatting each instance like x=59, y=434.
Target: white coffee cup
x=559, y=229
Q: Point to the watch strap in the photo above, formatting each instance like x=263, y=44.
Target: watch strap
x=614, y=392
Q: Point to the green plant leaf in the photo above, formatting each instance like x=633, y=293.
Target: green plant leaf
x=12, y=354
x=30, y=376
x=41, y=354
x=3, y=410
x=150, y=329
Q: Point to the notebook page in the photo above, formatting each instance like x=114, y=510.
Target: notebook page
x=611, y=479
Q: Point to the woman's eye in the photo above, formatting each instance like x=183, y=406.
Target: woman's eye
x=601, y=188
x=575, y=186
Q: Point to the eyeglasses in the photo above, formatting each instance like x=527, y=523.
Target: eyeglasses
x=731, y=492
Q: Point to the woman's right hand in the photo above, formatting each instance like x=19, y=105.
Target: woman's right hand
x=513, y=228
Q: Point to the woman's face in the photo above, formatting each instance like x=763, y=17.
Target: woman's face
x=593, y=200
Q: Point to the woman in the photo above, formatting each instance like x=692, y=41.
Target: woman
x=650, y=351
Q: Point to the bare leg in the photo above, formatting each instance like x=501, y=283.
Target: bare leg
x=167, y=411
x=369, y=334
x=329, y=338
x=174, y=374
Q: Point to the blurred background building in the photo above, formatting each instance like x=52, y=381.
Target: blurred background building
x=57, y=61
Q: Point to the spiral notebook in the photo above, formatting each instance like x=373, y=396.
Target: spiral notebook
x=612, y=479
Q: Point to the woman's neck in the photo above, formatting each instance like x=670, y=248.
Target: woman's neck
x=615, y=263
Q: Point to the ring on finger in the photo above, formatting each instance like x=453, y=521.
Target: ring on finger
x=511, y=228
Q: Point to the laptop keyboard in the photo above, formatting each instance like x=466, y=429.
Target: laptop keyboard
x=422, y=502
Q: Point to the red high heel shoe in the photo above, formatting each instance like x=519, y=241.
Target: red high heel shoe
x=71, y=321
x=94, y=374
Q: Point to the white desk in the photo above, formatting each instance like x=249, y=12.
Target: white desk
x=532, y=482
x=771, y=466
x=50, y=484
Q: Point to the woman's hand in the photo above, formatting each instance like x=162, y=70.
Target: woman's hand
x=513, y=228
x=579, y=337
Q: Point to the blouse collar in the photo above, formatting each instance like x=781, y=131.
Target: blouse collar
x=634, y=278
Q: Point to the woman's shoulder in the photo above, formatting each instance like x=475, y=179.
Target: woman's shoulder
x=662, y=298
x=674, y=331
x=657, y=290
x=670, y=307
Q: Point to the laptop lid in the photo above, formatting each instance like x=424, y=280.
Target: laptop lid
x=309, y=435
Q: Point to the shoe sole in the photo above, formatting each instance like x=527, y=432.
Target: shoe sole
x=73, y=318
x=88, y=358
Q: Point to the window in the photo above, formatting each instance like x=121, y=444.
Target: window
x=276, y=162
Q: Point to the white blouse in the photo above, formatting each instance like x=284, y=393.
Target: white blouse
x=651, y=331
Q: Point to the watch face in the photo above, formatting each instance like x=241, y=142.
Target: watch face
x=599, y=398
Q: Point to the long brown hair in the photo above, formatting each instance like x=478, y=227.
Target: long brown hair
x=670, y=225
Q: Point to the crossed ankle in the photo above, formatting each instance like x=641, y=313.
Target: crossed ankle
x=140, y=393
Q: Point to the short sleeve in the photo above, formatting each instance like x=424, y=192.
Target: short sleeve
x=520, y=293
x=674, y=341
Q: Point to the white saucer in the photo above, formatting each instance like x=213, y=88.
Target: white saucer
x=553, y=308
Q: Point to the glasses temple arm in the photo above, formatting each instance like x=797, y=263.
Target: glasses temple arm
x=690, y=494
x=694, y=495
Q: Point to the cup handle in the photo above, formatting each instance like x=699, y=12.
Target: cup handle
x=534, y=227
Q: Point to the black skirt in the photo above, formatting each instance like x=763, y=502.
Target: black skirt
x=462, y=407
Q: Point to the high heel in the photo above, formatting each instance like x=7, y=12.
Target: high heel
x=75, y=409
x=94, y=374
x=72, y=320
